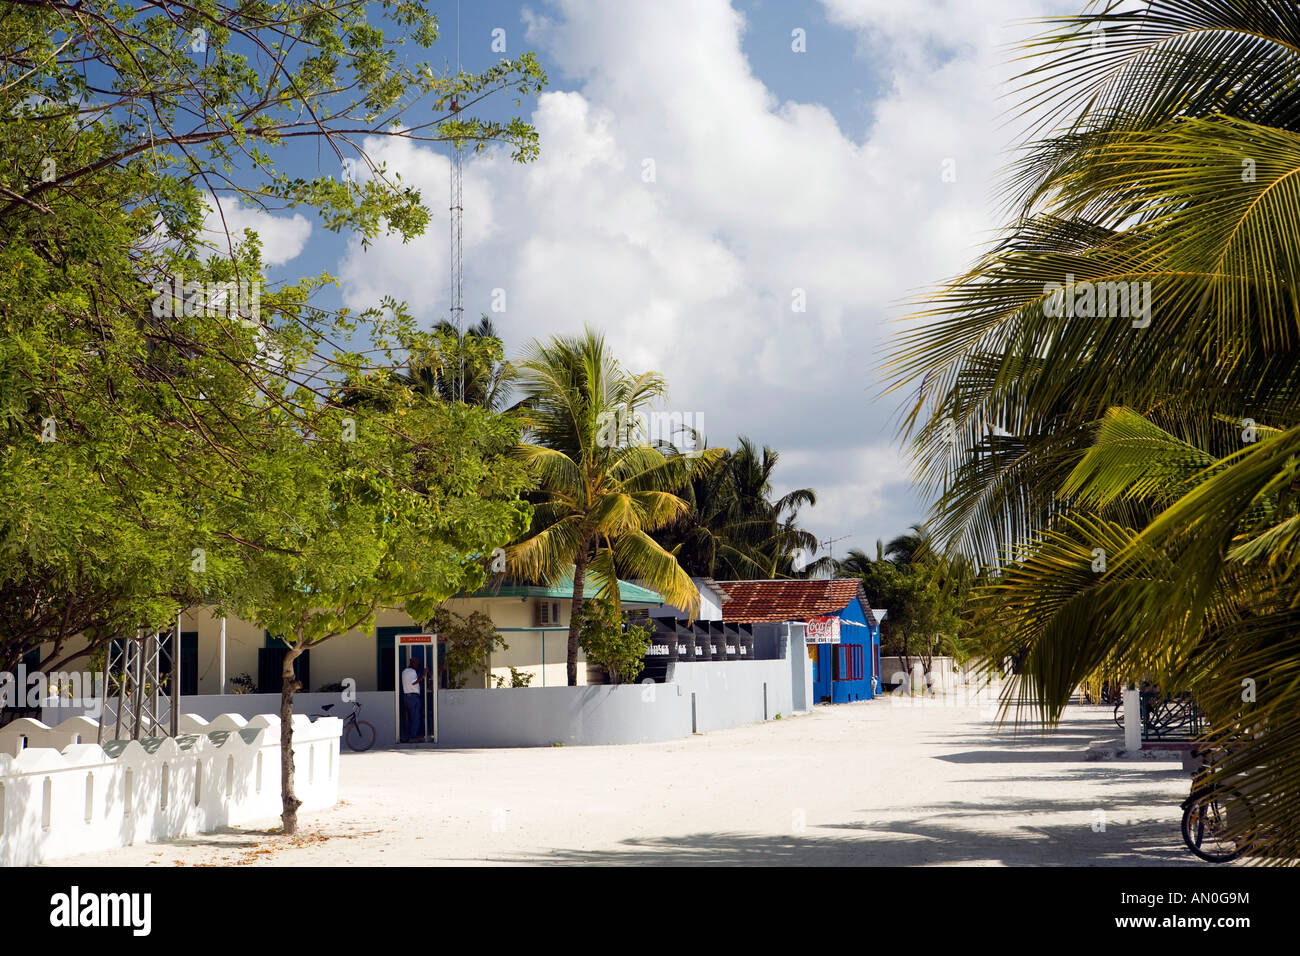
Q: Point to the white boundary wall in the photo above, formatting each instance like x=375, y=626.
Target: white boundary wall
x=61, y=793
x=945, y=676
x=699, y=696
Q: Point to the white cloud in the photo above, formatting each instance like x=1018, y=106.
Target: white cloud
x=693, y=274
x=282, y=237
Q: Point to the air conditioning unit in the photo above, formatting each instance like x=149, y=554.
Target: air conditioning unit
x=546, y=613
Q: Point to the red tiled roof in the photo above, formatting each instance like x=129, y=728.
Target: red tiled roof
x=754, y=602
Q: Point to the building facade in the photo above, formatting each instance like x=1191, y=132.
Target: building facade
x=841, y=632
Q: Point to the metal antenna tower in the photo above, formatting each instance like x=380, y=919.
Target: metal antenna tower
x=457, y=212
x=135, y=705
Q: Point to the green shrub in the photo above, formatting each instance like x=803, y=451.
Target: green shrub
x=607, y=639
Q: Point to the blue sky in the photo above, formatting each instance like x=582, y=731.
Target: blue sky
x=845, y=178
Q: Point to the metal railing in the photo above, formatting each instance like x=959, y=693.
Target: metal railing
x=1170, y=716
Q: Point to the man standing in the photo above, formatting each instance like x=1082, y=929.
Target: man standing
x=410, y=700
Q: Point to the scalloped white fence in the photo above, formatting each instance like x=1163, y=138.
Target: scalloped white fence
x=61, y=793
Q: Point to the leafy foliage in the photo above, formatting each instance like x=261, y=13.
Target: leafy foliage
x=470, y=641
x=1144, y=523
x=924, y=593
x=159, y=451
x=734, y=530
x=597, y=501
x=610, y=640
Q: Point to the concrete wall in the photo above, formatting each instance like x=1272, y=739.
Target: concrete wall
x=545, y=716
x=944, y=677
x=801, y=676
x=699, y=697
x=732, y=693
x=59, y=796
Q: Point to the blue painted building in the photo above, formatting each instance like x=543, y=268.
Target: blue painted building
x=842, y=631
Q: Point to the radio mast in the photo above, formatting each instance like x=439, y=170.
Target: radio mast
x=456, y=212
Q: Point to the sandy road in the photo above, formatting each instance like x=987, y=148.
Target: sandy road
x=856, y=784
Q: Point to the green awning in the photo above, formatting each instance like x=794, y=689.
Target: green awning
x=628, y=593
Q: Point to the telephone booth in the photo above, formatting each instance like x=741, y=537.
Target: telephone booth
x=416, y=722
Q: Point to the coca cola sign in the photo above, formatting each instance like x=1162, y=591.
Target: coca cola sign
x=823, y=630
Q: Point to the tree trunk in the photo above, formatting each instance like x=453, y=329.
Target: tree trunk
x=579, y=578
x=288, y=687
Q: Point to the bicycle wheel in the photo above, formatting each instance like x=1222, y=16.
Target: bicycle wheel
x=1206, y=820
x=1119, y=715
x=359, y=735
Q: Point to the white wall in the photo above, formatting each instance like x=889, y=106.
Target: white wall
x=59, y=797
x=726, y=694
x=944, y=677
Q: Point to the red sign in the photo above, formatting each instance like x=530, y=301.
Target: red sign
x=416, y=638
x=822, y=630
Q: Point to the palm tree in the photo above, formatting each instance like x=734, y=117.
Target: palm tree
x=907, y=549
x=1109, y=460
x=597, y=500
x=465, y=367
x=455, y=367
x=857, y=562
x=734, y=529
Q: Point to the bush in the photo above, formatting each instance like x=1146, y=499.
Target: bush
x=518, y=678
x=242, y=684
x=607, y=639
x=469, y=642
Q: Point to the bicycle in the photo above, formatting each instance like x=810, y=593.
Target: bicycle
x=358, y=734
x=1217, y=821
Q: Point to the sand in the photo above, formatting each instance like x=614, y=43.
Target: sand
x=870, y=783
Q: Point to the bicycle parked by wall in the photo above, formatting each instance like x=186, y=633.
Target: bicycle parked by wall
x=358, y=734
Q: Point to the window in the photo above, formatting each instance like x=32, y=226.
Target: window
x=547, y=613
x=848, y=662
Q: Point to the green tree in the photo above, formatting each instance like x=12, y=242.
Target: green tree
x=124, y=431
x=470, y=640
x=925, y=592
x=599, y=496
x=175, y=94
x=734, y=529
x=1134, y=470
x=610, y=640
x=372, y=525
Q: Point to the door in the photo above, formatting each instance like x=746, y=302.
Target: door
x=189, y=663
x=385, y=679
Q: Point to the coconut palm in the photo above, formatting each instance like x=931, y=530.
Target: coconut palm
x=464, y=366
x=454, y=366
x=734, y=529
x=1135, y=471
x=598, y=499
